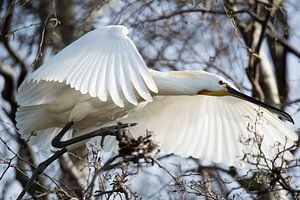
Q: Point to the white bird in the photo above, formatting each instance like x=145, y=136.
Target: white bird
x=102, y=79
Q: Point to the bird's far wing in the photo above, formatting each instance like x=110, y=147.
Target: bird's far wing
x=32, y=93
x=220, y=129
x=103, y=63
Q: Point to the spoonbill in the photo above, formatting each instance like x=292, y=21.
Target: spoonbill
x=101, y=79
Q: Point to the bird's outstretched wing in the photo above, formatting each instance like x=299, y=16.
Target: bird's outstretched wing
x=103, y=63
x=221, y=129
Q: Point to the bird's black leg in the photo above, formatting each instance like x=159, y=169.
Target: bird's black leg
x=40, y=169
x=111, y=130
x=56, y=141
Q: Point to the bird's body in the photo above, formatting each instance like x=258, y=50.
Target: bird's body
x=52, y=104
x=101, y=79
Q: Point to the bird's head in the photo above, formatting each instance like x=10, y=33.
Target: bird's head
x=192, y=83
x=200, y=83
x=214, y=85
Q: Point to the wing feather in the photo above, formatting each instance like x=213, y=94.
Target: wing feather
x=143, y=71
x=210, y=139
x=89, y=83
x=113, y=76
x=201, y=147
x=101, y=78
x=135, y=77
x=238, y=130
x=83, y=80
x=102, y=62
x=197, y=137
x=78, y=69
x=125, y=83
x=232, y=136
x=34, y=93
x=226, y=141
x=80, y=74
x=220, y=146
x=220, y=131
x=183, y=140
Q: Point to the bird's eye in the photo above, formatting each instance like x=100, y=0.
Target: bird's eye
x=221, y=82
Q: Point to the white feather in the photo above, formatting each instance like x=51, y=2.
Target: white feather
x=125, y=83
x=214, y=133
x=76, y=65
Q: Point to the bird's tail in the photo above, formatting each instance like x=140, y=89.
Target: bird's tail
x=31, y=118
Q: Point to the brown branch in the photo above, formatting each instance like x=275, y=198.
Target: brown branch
x=293, y=102
x=200, y=10
x=8, y=92
x=7, y=19
x=43, y=32
x=17, y=58
x=4, y=39
x=290, y=48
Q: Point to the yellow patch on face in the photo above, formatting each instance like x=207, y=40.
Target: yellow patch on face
x=214, y=93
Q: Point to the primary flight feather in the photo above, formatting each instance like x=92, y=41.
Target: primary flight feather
x=101, y=79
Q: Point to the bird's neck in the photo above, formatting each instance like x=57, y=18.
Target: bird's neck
x=173, y=83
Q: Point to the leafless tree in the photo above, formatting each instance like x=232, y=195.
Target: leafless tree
x=247, y=42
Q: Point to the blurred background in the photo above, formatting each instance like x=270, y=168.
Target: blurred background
x=254, y=44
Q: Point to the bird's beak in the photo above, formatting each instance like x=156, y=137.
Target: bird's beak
x=283, y=115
